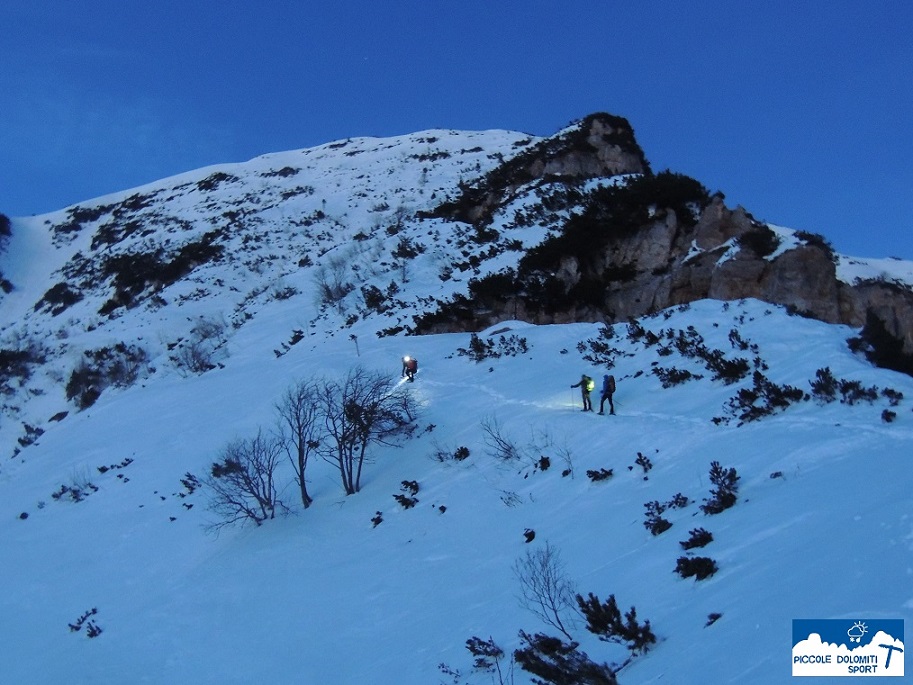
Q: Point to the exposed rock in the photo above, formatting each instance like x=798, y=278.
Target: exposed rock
x=891, y=303
x=600, y=145
x=666, y=263
x=803, y=278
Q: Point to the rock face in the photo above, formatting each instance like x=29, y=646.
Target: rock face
x=721, y=254
x=600, y=145
x=676, y=265
x=603, y=146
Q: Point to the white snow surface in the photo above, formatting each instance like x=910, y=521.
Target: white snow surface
x=823, y=526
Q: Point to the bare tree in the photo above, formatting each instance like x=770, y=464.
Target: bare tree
x=299, y=431
x=499, y=444
x=242, y=481
x=205, y=347
x=332, y=281
x=544, y=586
x=363, y=409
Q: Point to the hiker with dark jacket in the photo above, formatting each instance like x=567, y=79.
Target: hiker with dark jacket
x=410, y=366
x=585, y=385
x=608, y=389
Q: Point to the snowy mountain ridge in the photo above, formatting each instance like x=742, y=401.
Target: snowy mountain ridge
x=200, y=299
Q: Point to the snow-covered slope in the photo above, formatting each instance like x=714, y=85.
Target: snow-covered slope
x=294, y=235
x=324, y=596
x=821, y=528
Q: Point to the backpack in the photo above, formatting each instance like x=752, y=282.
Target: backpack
x=611, y=384
x=590, y=384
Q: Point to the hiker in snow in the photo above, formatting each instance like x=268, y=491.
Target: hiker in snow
x=410, y=366
x=608, y=389
x=586, y=386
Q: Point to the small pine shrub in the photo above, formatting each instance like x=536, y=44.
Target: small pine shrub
x=853, y=392
x=406, y=502
x=824, y=387
x=58, y=298
x=699, y=567
x=486, y=654
x=678, y=501
x=654, y=522
x=673, y=376
x=92, y=628
x=599, y=351
x=374, y=298
x=560, y=663
x=727, y=370
x=604, y=620
x=763, y=399
x=893, y=396
x=725, y=489
x=760, y=239
x=480, y=349
x=699, y=538
x=16, y=366
x=84, y=386
x=600, y=475
x=409, y=499
x=644, y=462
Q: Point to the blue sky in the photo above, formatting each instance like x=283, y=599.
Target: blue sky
x=800, y=112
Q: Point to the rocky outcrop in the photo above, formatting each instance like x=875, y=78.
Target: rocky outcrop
x=599, y=145
x=665, y=243
x=668, y=262
x=890, y=302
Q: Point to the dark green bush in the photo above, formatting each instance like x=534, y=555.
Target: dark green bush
x=699, y=567
x=132, y=272
x=213, y=181
x=120, y=365
x=819, y=241
x=83, y=387
x=58, y=298
x=672, y=377
x=760, y=239
x=654, y=521
x=763, y=399
x=725, y=489
x=824, y=387
x=560, y=663
x=603, y=619
x=699, y=538
x=17, y=365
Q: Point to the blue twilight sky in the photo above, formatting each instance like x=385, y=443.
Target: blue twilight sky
x=799, y=110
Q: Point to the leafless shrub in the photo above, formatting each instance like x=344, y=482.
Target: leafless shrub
x=500, y=446
x=299, y=432
x=364, y=409
x=332, y=281
x=205, y=348
x=242, y=482
x=545, y=588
